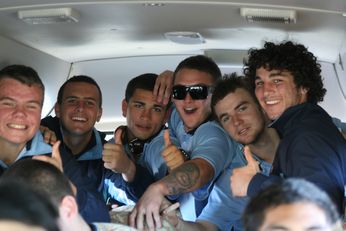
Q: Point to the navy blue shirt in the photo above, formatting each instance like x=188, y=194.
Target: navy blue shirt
x=86, y=175
x=93, y=181
x=312, y=148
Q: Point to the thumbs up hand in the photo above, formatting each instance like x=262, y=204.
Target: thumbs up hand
x=114, y=155
x=171, y=153
x=242, y=176
x=117, y=136
x=54, y=159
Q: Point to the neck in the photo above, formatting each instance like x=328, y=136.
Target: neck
x=9, y=151
x=77, y=143
x=82, y=225
x=129, y=135
x=266, y=144
x=77, y=223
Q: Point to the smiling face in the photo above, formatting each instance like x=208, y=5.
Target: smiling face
x=298, y=216
x=193, y=112
x=276, y=91
x=20, y=111
x=240, y=116
x=79, y=109
x=144, y=116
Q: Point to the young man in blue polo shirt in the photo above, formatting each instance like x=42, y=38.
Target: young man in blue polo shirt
x=21, y=101
x=207, y=146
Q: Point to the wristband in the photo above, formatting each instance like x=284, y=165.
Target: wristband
x=185, y=154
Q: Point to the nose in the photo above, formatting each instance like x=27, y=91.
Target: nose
x=188, y=97
x=19, y=111
x=146, y=114
x=236, y=120
x=80, y=105
x=268, y=88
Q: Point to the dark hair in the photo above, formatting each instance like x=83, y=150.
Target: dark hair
x=145, y=82
x=23, y=74
x=291, y=57
x=287, y=192
x=19, y=203
x=229, y=84
x=42, y=177
x=200, y=63
x=79, y=79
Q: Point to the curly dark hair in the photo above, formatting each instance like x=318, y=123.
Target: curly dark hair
x=288, y=56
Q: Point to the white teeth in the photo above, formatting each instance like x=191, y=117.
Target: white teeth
x=189, y=109
x=242, y=131
x=17, y=126
x=272, y=102
x=79, y=119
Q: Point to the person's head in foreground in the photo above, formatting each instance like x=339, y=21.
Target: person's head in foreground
x=48, y=180
x=22, y=209
x=294, y=204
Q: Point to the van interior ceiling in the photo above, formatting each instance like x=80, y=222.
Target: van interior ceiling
x=114, y=41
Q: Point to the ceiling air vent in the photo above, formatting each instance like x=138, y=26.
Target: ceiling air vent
x=269, y=15
x=185, y=37
x=48, y=16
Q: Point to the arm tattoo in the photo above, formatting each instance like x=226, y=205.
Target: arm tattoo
x=182, y=179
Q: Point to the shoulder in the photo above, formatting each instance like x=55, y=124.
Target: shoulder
x=211, y=131
x=101, y=135
x=52, y=123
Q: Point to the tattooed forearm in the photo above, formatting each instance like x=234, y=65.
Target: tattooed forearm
x=182, y=178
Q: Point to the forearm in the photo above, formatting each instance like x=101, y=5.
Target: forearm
x=188, y=177
x=130, y=173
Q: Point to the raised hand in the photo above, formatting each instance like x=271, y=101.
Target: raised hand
x=242, y=176
x=114, y=155
x=48, y=135
x=147, y=209
x=170, y=213
x=54, y=159
x=163, y=87
x=171, y=154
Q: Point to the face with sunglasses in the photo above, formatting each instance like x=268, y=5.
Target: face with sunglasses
x=191, y=95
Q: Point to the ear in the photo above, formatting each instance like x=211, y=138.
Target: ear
x=57, y=109
x=304, y=93
x=99, y=114
x=304, y=90
x=68, y=208
x=124, y=107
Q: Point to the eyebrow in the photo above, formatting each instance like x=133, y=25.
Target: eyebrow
x=11, y=99
x=241, y=103
x=276, y=73
x=143, y=103
x=282, y=73
x=276, y=227
x=76, y=97
x=280, y=227
x=6, y=98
